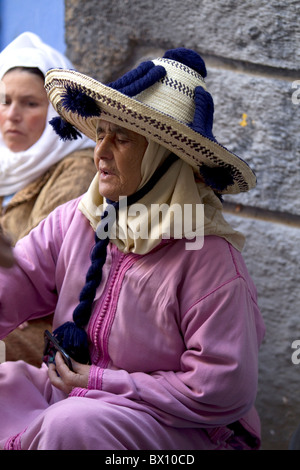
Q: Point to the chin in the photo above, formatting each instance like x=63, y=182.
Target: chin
x=104, y=192
x=108, y=195
x=17, y=147
x=111, y=198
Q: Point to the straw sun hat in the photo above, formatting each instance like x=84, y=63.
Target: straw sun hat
x=165, y=100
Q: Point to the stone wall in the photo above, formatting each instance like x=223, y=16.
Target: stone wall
x=252, y=52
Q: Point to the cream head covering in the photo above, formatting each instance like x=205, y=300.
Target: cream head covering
x=17, y=169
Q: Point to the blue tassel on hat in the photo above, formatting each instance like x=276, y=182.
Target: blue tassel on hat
x=218, y=178
x=64, y=129
x=139, y=79
x=75, y=101
x=78, y=102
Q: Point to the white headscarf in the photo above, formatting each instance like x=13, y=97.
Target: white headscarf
x=17, y=169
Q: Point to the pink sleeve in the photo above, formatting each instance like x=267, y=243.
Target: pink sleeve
x=28, y=289
x=217, y=380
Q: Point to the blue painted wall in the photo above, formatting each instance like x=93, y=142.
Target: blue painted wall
x=43, y=17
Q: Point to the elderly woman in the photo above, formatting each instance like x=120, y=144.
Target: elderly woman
x=164, y=337
x=38, y=171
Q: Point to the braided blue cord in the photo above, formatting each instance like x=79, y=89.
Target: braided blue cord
x=139, y=79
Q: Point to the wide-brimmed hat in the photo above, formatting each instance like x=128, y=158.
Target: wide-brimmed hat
x=165, y=100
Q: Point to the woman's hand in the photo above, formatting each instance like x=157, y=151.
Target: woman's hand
x=67, y=380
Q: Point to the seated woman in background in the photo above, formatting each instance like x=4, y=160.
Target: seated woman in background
x=38, y=170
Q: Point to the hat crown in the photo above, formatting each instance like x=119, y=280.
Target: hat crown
x=174, y=94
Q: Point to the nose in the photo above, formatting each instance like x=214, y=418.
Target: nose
x=14, y=112
x=103, y=150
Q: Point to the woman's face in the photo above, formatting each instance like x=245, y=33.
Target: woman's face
x=23, y=115
x=118, y=156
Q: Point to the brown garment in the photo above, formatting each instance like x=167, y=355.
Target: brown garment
x=64, y=181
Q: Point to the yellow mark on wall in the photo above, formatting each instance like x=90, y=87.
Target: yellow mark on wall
x=243, y=122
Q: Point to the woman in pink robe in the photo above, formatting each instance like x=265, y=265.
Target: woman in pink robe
x=164, y=338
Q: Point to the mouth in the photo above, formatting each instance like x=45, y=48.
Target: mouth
x=104, y=173
x=13, y=132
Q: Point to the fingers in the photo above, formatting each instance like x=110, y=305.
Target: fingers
x=64, y=379
x=62, y=367
x=60, y=375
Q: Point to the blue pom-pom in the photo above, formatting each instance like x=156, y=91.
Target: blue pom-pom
x=64, y=129
x=132, y=76
x=76, y=101
x=218, y=178
x=187, y=57
x=74, y=341
x=143, y=83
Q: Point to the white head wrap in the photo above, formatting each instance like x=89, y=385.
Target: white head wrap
x=17, y=169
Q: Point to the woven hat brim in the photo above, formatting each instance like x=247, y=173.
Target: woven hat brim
x=134, y=115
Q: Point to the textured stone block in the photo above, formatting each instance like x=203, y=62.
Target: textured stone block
x=272, y=256
x=265, y=32
x=256, y=119
x=255, y=115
